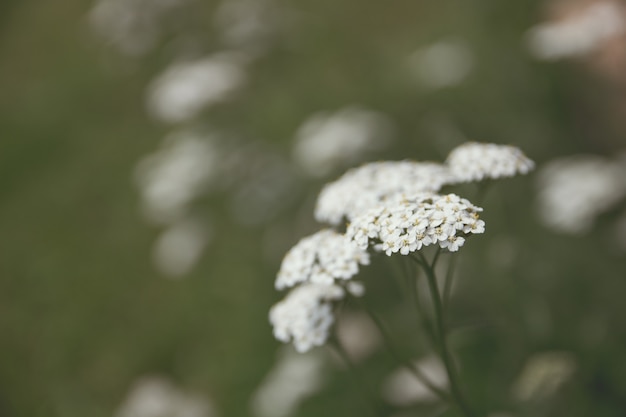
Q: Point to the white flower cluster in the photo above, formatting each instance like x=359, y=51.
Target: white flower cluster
x=392, y=207
x=305, y=316
x=477, y=161
x=155, y=396
x=380, y=182
x=320, y=259
x=327, y=141
x=386, y=183
x=422, y=221
x=186, y=88
x=318, y=266
x=574, y=191
x=173, y=176
x=579, y=33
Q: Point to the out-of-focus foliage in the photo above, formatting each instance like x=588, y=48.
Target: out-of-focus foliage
x=142, y=141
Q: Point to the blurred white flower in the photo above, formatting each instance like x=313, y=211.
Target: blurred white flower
x=186, y=88
x=305, y=315
x=410, y=224
x=158, y=397
x=170, y=178
x=476, y=161
x=295, y=377
x=132, y=26
x=179, y=247
x=402, y=388
x=358, y=335
x=573, y=191
x=327, y=141
x=543, y=374
x=365, y=187
x=577, y=34
x=321, y=258
x=247, y=24
x=443, y=64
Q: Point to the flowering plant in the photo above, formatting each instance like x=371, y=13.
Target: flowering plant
x=392, y=208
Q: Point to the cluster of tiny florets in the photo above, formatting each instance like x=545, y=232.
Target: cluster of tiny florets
x=392, y=207
x=416, y=222
x=305, y=316
x=320, y=268
x=376, y=183
x=321, y=258
x=478, y=161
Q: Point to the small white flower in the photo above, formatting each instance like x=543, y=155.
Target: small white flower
x=477, y=161
x=453, y=243
x=370, y=185
x=321, y=258
x=305, y=315
x=431, y=221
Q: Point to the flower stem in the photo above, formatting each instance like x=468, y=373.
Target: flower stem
x=364, y=390
x=405, y=362
x=441, y=335
x=423, y=318
x=447, y=286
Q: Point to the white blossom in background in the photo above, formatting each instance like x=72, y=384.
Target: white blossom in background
x=375, y=183
x=573, y=191
x=305, y=316
x=327, y=141
x=477, y=161
x=578, y=34
x=358, y=335
x=170, y=178
x=158, y=397
x=413, y=223
x=294, y=378
x=321, y=258
x=402, y=388
x=180, y=246
x=186, y=88
x=443, y=64
x=132, y=26
x=543, y=374
x=247, y=24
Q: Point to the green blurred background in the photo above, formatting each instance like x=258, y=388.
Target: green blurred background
x=84, y=311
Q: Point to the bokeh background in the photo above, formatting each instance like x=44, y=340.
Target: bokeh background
x=159, y=157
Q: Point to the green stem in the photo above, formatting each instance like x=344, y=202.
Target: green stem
x=364, y=390
x=422, y=317
x=447, y=286
x=441, y=333
x=404, y=362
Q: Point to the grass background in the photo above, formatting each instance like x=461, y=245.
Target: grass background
x=83, y=313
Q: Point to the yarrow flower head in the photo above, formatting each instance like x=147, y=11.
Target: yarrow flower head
x=575, y=190
x=305, y=316
x=372, y=184
x=477, y=161
x=321, y=258
x=422, y=220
